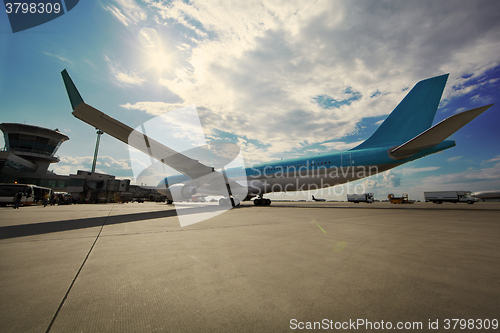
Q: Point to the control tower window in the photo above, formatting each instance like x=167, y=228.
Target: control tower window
x=13, y=141
x=41, y=144
x=52, y=146
x=26, y=142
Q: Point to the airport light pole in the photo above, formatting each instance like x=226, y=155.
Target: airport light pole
x=99, y=132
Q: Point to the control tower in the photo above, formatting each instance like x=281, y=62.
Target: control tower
x=29, y=150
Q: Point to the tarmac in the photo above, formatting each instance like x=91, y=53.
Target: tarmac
x=288, y=266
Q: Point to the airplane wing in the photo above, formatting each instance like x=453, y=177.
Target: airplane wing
x=182, y=163
x=486, y=195
x=437, y=133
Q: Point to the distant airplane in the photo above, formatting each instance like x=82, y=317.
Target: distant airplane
x=486, y=195
x=318, y=199
x=404, y=136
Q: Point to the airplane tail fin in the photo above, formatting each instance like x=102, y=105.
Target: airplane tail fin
x=413, y=115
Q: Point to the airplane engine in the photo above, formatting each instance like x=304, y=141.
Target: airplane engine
x=180, y=192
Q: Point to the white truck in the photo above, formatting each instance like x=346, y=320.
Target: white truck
x=357, y=198
x=449, y=196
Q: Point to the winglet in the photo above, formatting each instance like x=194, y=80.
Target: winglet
x=74, y=96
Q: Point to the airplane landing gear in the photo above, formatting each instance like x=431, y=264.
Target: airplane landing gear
x=262, y=202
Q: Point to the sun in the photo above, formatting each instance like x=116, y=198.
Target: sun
x=159, y=61
x=156, y=57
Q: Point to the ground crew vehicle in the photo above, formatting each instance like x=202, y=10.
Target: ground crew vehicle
x=403, y=199
x=357, y=198
x=449, y=196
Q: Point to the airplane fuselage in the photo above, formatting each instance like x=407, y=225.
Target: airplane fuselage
x=313, y=172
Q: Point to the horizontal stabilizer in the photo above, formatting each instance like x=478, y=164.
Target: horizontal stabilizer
x=437, y=133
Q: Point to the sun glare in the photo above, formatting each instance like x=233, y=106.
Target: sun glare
x=156, y=58
x=159, y=61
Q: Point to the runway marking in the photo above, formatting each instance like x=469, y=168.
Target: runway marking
x=314, y=221
x=321, y=228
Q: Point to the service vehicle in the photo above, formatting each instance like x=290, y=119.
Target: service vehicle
x=449, y=196
x=357, y=198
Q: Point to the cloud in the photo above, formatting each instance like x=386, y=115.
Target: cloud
x=127, y=12
x=173, y=126
x=328, y=102
x=111, y=163
x=478, y=99
x=299, y=73
x=117, y=13
x=409, y=171
x=58, y=57
x=123, y=78
x=463, y=86
x=471, y=180
x=459, y=110
x=130, y=78
x=105, y=164
x=385, y=182
x=495, y=159
x=341, y=145
x=454, y=159
x=389, y=179
x=152, y=108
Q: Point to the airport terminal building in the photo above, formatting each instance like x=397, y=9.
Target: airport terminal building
x=30, y=150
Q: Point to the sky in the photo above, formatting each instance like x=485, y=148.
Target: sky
x=283, y=79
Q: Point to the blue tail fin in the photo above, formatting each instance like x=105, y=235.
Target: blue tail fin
x=411, y=117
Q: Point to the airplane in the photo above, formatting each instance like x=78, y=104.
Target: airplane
x=490, y=195
x=405, y=135
x=320, y=200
